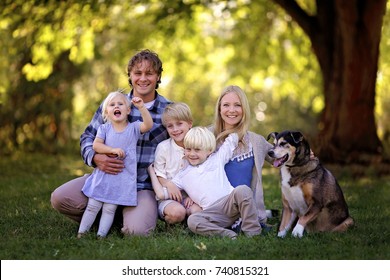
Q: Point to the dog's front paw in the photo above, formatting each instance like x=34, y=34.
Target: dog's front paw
x=282, y=233
x=298, y=231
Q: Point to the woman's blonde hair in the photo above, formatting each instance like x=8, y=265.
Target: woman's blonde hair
x=108, y=99
x=200, y=138
x=243, y=126
x=177, y=111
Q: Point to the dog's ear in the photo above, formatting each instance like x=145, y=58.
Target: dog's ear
x=296, y=136
x=272, y=135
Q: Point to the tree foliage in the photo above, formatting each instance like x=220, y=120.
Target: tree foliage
x=60, y=58
x=45, y=50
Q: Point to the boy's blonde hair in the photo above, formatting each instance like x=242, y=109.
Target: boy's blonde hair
x=108, y=99
x=177, y=111
x=200, y=138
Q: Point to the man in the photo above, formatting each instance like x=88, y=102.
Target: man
x=144, y=73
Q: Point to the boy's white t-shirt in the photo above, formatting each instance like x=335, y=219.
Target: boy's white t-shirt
x=168, y=159
x=207, y=182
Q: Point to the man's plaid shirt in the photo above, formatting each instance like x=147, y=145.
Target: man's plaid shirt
x=146, y=144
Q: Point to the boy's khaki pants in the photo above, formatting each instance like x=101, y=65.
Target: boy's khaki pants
x=216, y=219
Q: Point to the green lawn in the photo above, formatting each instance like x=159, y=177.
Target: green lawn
x=31, y=229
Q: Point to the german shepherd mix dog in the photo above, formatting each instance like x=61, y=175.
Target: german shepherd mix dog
x=310, y=193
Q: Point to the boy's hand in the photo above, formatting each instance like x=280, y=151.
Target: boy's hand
x=174, y=192
x=188, y=202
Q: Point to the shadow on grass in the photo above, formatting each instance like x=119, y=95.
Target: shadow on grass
x=31, y=229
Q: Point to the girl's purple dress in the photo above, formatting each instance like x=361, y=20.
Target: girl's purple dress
x=120, y=189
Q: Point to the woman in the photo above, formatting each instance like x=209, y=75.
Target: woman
x=232, y=115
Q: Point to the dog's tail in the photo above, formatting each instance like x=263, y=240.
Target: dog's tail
x=347, y=223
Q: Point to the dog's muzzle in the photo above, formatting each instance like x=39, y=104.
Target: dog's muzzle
x=278, y=162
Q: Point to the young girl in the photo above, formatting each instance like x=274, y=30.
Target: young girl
x=206, y=183
x=177, y=119
x=117, y=138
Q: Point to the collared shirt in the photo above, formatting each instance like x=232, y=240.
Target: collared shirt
x=169, y=159
x=146, y=144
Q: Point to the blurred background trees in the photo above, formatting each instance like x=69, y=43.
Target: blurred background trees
x=60, y=58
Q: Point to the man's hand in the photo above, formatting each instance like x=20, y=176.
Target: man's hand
x=108, y=164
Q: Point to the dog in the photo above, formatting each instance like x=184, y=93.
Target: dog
x=310, y=193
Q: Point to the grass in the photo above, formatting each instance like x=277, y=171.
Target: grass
x=31, y=230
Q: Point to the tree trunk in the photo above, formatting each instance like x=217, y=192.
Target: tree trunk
x=345, y=36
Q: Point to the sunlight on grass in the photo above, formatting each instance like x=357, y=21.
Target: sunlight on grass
x=32, y=229
x=201, y=246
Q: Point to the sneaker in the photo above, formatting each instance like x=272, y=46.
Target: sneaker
x=236, y=227
x=272, y=213
x=265, y=228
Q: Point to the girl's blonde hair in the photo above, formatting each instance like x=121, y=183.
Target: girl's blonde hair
x=177, y=111
x=200, y=138
x=242, y=127
x=108, y=99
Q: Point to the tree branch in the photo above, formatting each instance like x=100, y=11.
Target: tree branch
x=305, y=21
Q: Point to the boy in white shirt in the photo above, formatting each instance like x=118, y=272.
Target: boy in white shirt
x=177, y=119
x=206, y=183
